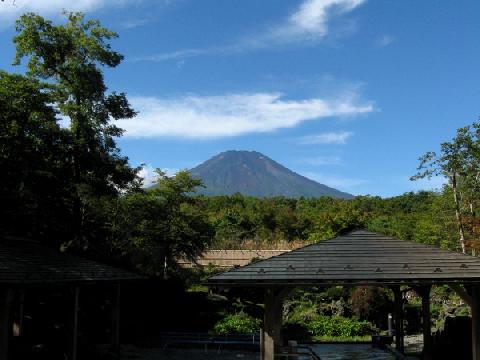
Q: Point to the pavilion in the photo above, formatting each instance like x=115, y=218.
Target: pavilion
x=28, y=267
x=355, y=259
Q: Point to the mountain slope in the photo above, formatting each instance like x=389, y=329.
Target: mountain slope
x=252, y=173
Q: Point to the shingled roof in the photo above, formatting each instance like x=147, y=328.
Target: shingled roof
x=28, y=262
x=359, y=257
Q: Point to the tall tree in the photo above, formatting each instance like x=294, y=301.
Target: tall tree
x=32, y=155
x=458, y=162
x=71, y=57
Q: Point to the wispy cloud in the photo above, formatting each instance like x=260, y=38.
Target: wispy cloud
x=232, y=114
x=308, y=23
x=340, y=137
x=385, y=40
x=135, y=23
x=322, y=160
x=339, y=182
x=12, y=9
x=311, y=20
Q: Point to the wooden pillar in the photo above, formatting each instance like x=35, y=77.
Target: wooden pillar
x=18, y=322
x=398, y=315
x=427, y=324
x=475, y=306
x=116, y=318
x=73, y=346
x=272, y=322
x=6, y=296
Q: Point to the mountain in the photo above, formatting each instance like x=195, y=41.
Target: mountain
x=252, y=173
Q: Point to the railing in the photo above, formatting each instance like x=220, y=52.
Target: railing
x=291, y=353
x=179, y=338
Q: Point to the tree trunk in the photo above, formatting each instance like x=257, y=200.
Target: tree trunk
x=458, y=214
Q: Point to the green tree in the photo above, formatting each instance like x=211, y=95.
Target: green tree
x=160, y=226
x=70, y=57
x=458, y=161
x=32, y=154
x=450, y=163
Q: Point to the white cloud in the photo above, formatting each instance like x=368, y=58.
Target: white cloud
x=149, y=176
x=12, y=9
x=323, y=160
x=135, y=23
x=309, y=22
x=340, y=137
x=231, y=115
x=385, y=40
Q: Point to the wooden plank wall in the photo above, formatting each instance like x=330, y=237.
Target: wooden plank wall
x=231, y=258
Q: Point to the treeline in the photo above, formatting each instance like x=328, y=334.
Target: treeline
x=242, y=222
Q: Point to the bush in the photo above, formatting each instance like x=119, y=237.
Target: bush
x=339, y=326
x=372, y=304
x=239, y=323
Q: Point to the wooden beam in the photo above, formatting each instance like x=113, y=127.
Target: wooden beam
x=272, y=322
x=475, y=291
x=462, y=293
x=6, y=296
x=427, y=323
x=73, y=345
x=398, y=316
x=116, y=318
x=18, y=321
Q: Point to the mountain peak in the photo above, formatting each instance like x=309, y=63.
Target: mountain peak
x=255, y=174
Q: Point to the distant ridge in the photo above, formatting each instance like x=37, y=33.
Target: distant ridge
x=254, y=174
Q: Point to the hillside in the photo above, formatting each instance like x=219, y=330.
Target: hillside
x=252, y=173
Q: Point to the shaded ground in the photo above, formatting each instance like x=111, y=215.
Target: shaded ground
x=351, y=352
x=190, y=354
x=413, y=344
x=326, y=351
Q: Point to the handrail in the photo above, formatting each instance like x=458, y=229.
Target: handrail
x=287, y=352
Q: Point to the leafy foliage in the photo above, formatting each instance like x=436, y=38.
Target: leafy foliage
x=159, y=226
x=339, y=326
x=70, y=57
x=239, y=323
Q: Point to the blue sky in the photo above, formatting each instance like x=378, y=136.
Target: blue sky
x=346, y=92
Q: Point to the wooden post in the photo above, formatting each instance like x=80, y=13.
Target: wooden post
x=18, y=322
x=272, y=323
x=6, y=296
x=475, y=294
x=427, y=324
x=398, y=315
x=116, y=318
x=74, y=325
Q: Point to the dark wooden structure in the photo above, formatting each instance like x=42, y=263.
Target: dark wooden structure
x=27, y=266
x=361, y=258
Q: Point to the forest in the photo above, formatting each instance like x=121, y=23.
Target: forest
x=70, y=187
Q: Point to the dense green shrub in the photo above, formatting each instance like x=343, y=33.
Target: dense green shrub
x=240, y=323
x=338, y=326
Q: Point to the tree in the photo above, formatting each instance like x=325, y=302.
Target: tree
x=70, y=57
x=32, y=155
x=157, y=227
x=458, y=161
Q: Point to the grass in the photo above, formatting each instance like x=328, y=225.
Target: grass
x=346, y=339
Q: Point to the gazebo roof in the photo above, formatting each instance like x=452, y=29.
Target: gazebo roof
x=358, y=257
x=28, y=262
